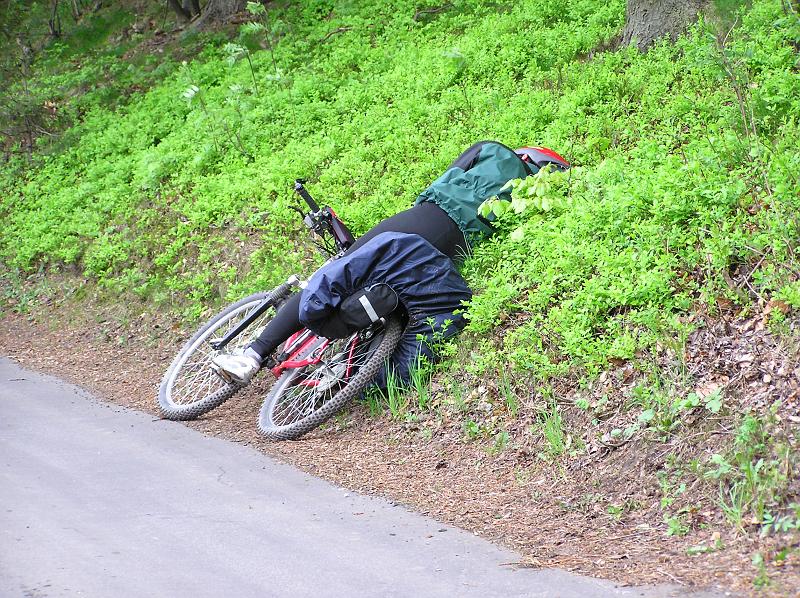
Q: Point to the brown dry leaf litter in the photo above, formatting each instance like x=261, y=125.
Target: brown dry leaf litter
x=555, y=516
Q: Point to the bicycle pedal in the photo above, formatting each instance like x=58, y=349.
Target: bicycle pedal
x=222, y=374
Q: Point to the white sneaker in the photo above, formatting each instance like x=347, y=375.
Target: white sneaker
x=238, y=367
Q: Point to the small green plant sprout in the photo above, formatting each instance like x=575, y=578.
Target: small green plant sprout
x=396, y=398
x=458, y=396
x=501, y=442
x=751, y=477
x=472, y=430
x=676, y=524
x=458, y=63
x=668, y=490
x=699, y=549
x=715, y=544
x=619, y=436
x=721, y=467
x=540, y=193
x=583, y=403
x=761, y=580
x=421, y=381
x=733, y=502
x=646, y=416
x=375, y=401
x=193, y=94
x=236, y=52
x=509, y=396
x=261, y=29
x=712, y=401
x=781, y=524
x=552, y=429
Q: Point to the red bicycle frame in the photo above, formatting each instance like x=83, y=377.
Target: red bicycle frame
x=306, y=348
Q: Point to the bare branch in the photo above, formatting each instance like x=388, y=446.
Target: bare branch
x=334, y=32
x=422, y=12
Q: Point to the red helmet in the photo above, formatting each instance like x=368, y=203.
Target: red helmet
x=540, y=156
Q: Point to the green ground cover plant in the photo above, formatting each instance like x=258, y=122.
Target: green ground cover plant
x=165, y=177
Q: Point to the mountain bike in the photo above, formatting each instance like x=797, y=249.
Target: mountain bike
x=315, y=376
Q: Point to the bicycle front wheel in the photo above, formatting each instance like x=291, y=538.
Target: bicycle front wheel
x=190, y=387
x=302, y=398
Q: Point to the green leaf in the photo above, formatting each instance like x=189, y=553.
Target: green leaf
x=486, y=207
x=691, y=401
x=518, y=204
x=456, y=58
x=252, y=28
x=630, y=431
x=191, y=92
x=256, y=8
x=542, y=188
x=513, y=183
x=500, y=207
x=714, y=401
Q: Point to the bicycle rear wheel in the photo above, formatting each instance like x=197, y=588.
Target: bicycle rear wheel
x=190, y=388
x=302, y=398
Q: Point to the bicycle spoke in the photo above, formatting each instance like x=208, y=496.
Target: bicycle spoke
x=317, y=386
x=197, y=380
x=304, y=397
x=200, y=380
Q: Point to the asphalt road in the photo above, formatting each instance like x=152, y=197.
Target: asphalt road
x=97, y=500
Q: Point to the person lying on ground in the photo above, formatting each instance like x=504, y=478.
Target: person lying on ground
x=445, y=218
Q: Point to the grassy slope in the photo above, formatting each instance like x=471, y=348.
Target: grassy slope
x=683, y=199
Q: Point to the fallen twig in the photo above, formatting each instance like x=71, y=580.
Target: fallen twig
x=430, y=11
x=334, y=32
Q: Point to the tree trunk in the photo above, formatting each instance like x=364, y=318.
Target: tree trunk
x=76, y=10
x=219, y=11
x=177, y=7
x=191, y=7
x=55, y=20
x=648, y=20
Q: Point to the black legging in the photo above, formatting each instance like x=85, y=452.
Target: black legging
x=427, y=220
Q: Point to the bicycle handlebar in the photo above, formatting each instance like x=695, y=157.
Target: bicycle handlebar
x=323, y=221
x=303, y=192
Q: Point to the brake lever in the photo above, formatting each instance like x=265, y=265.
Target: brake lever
x=308, y=218
x=299, y=210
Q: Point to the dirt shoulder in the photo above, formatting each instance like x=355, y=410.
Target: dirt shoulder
x=555, y=515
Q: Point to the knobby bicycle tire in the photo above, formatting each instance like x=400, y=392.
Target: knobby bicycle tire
x=189, y=387
x=381, y=347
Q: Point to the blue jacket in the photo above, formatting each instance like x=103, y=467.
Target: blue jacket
x=426, y=283
x=425, y=280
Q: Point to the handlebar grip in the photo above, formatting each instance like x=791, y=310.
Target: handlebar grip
x=301, y=190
